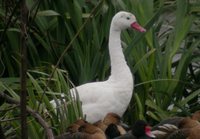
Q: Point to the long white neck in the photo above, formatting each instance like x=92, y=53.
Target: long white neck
x=119, y=67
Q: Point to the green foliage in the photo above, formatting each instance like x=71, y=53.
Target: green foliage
x=164, y=60
x=59, y=119
x=163, y=74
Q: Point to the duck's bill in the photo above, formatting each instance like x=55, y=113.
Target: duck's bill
x=148, y=132
x=137, y=27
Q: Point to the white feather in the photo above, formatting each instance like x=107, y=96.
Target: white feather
x=168, y=127
x=113, y=95
x=158, y=133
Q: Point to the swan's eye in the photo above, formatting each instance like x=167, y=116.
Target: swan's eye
x=128, y=18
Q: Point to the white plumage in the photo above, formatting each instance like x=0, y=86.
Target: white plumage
x=114, y=94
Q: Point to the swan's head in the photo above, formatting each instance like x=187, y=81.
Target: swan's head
x=123, y=20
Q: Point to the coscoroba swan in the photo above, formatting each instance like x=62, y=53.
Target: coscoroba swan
x=114, y=94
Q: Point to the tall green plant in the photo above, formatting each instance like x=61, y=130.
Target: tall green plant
x=162, y=60
x=58, y=119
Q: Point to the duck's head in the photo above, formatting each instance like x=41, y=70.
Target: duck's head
x=89, y=128
x=196, y=115
x=74, y=126
x=123, y=20
x=187, y=122
x=112, y=131
x=141, y=128
x=111, y=118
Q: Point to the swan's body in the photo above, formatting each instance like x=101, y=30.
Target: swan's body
x=114, y=94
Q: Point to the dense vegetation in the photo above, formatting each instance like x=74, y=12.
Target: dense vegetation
x=68, y=45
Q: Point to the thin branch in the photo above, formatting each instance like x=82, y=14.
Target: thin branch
x=11, y=108
x=35, y=5
x=11, y=119
x=23, y=69
x=38, y=118
x=2, y=65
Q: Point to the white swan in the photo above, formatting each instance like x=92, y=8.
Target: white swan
x=114, y=94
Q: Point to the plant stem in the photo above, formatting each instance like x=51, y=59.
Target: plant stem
x=23, y=69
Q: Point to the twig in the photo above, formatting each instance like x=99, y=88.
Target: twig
x=23, y=69
x=3, y=66
x=11, y=108
x=11, y=119
x=38, y=118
